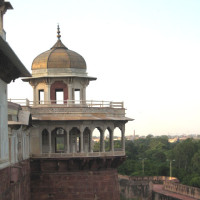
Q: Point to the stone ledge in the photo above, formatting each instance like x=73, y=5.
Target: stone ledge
x=52, y=165
x=75, y=155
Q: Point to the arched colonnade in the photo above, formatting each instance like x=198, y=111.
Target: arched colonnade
x=77, y=139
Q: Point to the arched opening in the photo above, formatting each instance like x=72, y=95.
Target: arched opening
x=59, y=140
x=87, y=140
x=59, y=96
x=45, y=141
x=59, y=92
x=41, y=96
x=96, y=140
x=77, y=96
x=107, y=138
x=74, y=139
x=117, y=137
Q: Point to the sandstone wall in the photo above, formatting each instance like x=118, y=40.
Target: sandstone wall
x=137, y=188
x=141, y=187
x=157, y=196
x=15, y=182
x=53, y=180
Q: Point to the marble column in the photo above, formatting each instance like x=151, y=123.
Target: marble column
x=111, y=141
x=68, y=149
x=90, y=142
x=47, y=96
x=50, y=145
x=123, y=138
x=34, y=96
x=81, y=140
x=102, y=142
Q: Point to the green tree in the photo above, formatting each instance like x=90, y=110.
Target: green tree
x=155, y=151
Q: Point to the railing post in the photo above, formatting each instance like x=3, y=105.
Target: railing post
x=27, y=102
x=111, y=104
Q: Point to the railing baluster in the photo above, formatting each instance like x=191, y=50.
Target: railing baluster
x=69, y=103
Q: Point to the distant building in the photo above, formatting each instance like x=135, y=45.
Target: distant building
x=173, y=140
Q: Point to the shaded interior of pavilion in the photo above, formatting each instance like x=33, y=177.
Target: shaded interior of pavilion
x=60, y=140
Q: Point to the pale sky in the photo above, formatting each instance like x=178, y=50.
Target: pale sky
x=143, y=52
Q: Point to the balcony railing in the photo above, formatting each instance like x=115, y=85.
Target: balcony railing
x=69, y=103
x=70, y=155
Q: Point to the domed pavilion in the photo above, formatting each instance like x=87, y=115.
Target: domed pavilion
x=59, y=72
x=63, y=144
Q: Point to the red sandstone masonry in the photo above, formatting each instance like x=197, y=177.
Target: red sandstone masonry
x=58, y=85
x=79, y=185
x=75, y=178
x=15, y=182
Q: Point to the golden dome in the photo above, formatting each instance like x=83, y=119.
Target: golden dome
x=59, y=56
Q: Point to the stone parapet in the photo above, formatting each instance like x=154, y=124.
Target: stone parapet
x=182, y=189
x=70, y=110
x=74, y=155
x=135, y=187
x=75, y=110
x=78, y=113
x=154, y=179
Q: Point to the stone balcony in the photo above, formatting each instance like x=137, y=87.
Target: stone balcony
x=74, y=110
x=80, y=122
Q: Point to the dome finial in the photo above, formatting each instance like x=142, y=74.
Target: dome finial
x=58, y=31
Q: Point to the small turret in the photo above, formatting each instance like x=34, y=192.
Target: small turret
x=59, y=75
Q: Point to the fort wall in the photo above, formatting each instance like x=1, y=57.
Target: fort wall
x=15, y=182
x=56, y=182
x=135, y=187
x=155, y=188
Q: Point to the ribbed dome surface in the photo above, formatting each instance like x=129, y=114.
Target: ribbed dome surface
x=59, y=56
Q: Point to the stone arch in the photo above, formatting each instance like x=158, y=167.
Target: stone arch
x=59, y=140
x=108, y=136
x=45, y=141
x=97, y=139
x=87, y=140
x=117, y=137
x=74, y=140
x=58, y=86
